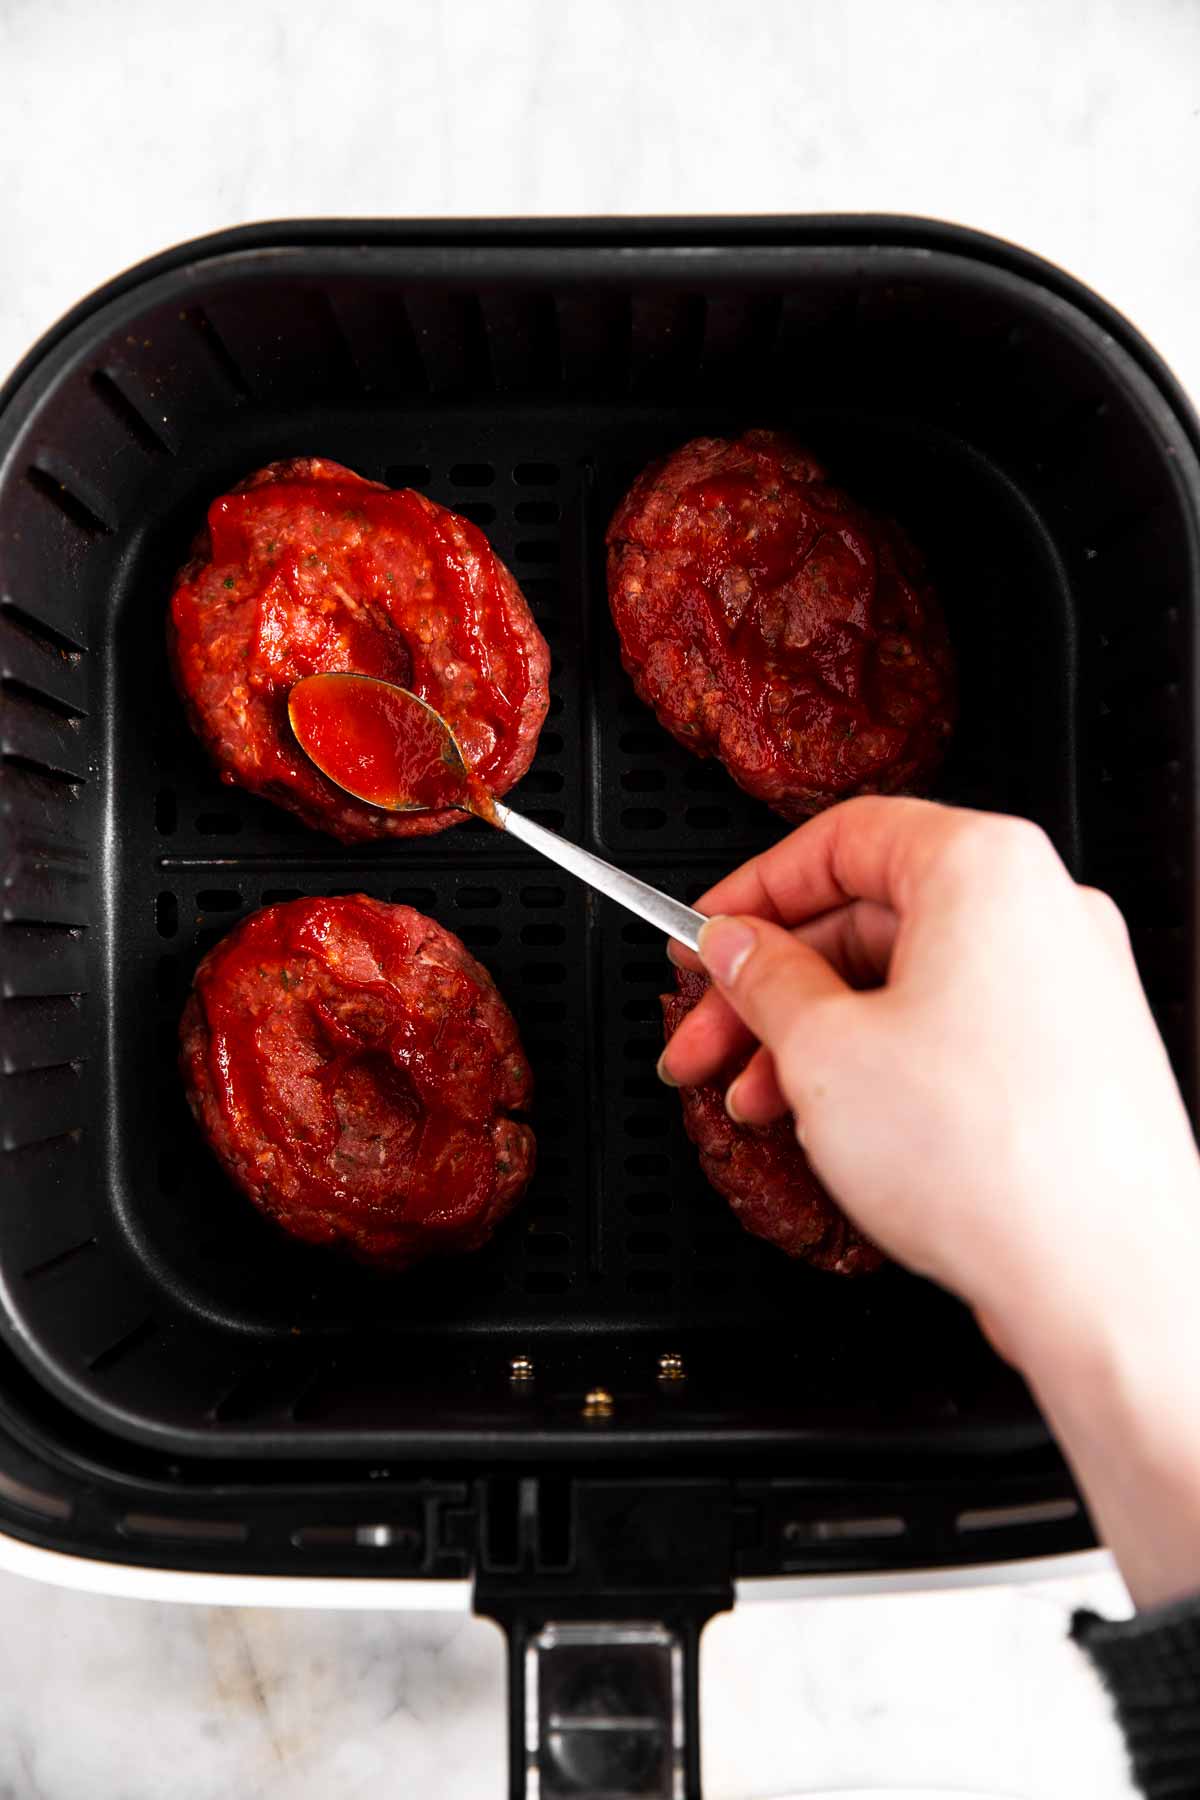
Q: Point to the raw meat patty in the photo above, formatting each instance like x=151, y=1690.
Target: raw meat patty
x=307, y=567
x=763, y=1172
x=354, y=1068
x=772, y=622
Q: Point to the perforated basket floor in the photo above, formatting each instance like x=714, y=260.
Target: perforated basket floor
x=1054, y=490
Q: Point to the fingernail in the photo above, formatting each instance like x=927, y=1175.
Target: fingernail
x=673, y=952
x=731, y=1102
x=724, y=946
x=664, y=1074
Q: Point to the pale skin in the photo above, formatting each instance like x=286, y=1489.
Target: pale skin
x=959, y=1032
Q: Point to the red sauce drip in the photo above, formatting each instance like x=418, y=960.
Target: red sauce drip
x=379, y=742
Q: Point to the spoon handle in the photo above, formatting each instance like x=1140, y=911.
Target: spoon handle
x=649, y=903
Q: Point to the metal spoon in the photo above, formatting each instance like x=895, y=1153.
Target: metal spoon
x=389, y=706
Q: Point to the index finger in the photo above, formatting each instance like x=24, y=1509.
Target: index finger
x=874, y=848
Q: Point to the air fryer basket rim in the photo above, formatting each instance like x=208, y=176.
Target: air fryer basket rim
x=929, y=237
x=792, y=229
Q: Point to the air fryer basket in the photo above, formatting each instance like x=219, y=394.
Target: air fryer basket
x=179, y=1384
x=523, y=375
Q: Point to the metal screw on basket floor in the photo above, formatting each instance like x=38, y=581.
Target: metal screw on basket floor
x=304, y=701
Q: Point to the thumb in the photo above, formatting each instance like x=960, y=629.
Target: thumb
x=768, y=976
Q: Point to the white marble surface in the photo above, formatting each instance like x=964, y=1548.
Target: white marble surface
x=1072, y=126
x=937, y=1695
x=934, y=1694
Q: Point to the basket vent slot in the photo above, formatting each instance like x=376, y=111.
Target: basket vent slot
x=35, y=696
x=195, y=1531
x=35, y=1500
x=42, y=635
x=52, y=1264
x=342, y=373
x=113, y=397
x=63, y=492
x=124, y=1346
x=1003, y=1518
x=451, y=341
x=218, y=350
x=841, y=1531
x=43, y=771
x=403, y=1541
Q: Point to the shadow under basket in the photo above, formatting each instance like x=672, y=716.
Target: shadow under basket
x=522, y=374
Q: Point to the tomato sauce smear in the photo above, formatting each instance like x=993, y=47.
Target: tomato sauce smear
x=308, y=568
x=355, y=1070
x=773, y=622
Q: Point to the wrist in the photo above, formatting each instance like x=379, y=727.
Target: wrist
x=1123, y=1398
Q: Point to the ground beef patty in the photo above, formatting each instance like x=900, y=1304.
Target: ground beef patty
x=307, y=567
x=763, y=1172
x=354, y=1069
x=771, y=622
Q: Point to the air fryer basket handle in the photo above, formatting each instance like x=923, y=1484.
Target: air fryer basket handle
x=603, y=1708
x=604, y=1643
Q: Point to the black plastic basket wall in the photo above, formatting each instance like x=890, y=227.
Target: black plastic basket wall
x=1054, y=491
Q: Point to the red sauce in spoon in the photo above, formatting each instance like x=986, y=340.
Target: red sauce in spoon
x=383, y=745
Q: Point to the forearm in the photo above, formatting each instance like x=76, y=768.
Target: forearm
x=1125, y=1407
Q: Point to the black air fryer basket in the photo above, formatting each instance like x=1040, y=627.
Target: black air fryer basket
x=624, y=1403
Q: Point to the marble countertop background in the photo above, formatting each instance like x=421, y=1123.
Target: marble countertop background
x=1071, y=126
x=939, y=1695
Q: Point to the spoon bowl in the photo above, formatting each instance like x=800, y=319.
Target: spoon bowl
x=388, y=747
x=381, y=743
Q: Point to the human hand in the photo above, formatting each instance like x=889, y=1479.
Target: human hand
x=961, y=1035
